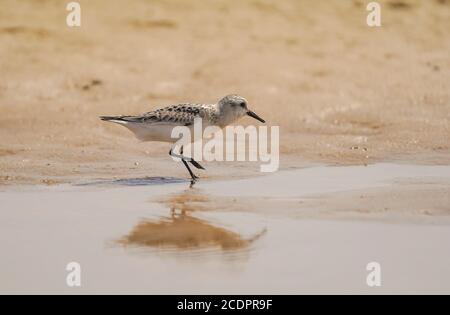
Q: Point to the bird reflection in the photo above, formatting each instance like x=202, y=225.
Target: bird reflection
x=180, y=230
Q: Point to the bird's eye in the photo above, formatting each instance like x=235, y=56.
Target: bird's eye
x=242, y=104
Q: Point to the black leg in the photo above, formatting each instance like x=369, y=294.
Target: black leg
x=188, y=159
x=192, y=161
x=193, y=176
x=196, y=164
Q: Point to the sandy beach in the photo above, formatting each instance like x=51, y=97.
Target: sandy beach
x=364, y=118
x=341, y=92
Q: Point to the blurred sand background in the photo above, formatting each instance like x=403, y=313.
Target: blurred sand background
x=341, y=92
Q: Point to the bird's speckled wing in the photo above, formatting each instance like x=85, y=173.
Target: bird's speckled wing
x=180, y=114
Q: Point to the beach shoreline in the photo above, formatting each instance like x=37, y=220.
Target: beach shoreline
x=342, y=93
x=330, y=223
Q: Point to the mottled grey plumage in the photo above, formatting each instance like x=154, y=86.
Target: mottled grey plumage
x=180, y=114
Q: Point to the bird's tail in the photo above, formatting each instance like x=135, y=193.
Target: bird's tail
x=122, y=119
x=109, y=118
x=130, y=122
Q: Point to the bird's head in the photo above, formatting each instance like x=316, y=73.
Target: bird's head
x=233, y=107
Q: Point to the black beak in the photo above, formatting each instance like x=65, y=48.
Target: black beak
x=252, y=114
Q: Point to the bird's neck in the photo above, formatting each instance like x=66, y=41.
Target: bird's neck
x=227, y=118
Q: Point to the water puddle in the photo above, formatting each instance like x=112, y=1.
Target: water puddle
x=308, y=230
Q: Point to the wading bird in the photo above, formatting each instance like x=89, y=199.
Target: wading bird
x=157, y=125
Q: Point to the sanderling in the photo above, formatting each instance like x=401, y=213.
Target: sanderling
x=157, y=125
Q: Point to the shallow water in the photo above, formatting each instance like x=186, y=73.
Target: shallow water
x=258, y=235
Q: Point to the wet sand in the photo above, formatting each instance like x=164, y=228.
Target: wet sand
x=303, y=233
x=341, y=92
